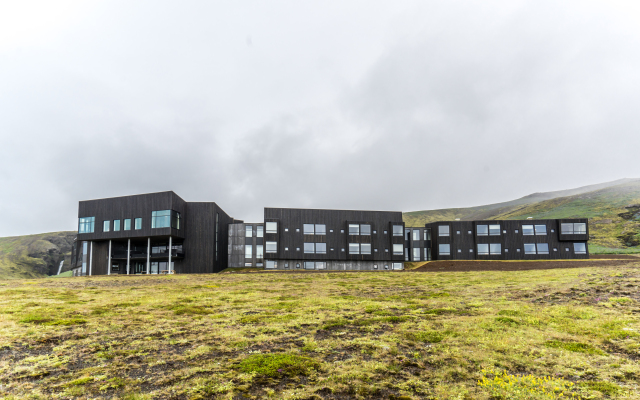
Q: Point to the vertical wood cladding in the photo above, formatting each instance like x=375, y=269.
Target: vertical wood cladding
x=290, y=236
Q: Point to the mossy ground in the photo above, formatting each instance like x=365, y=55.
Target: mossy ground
x=360, y=335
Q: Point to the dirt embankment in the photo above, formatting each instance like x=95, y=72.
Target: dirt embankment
x=443, y=266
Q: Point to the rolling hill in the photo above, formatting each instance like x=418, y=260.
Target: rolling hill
x=35, y=256
x=613, y=210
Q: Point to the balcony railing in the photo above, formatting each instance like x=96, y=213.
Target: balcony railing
x=142, y=255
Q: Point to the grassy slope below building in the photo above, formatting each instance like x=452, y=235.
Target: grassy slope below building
x=34, y=256
x=613, y=210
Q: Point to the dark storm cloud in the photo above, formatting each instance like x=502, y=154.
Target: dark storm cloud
x=341, y=105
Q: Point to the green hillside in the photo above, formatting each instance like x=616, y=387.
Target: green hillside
x=613, y=210
x=35, y=256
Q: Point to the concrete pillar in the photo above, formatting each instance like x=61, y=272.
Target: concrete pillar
x=148, y=255
x=128, y=254
x=90, y=258
x=169, y=266
x=109, y=260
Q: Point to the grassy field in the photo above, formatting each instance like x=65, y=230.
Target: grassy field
x=543, y=334
x=34, y=256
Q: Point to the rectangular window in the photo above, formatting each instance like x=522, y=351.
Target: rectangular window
x=271, y=264
x=271, y=247
x=444, y=249
x=309, y=248
x=354, y=229
x=483, y=249
x=247, y=251
x=443, y=230
x=427, y=234
x=259, y=231
x=248, y=231
x=354, y=248
x=308, y=229
x=259, y=251
x=159, y=219
x=527, y=230
x=398, y=266
x=427, y=254
x=106, y=226
x=482, y=230
x=495, y=249
x=309, y=265
x=529, y=248
x=321, y=248
x=398, y=230
x=365, y=248
x=406, y=254
x=127, y=224
x=85, y=256
x=321, y=265
x=86, y=225
x=175, y=220
x=416, y=234
x=416, y=254
x=543, y=248
x=580, y=228
x=398, y=249
x=321, y=229
x=271, y=227
x=566, y=229
x=541, y=229
x=580, y=248
x=138, y=223
x=365, y=229
x=116, y=225
x=494, y=230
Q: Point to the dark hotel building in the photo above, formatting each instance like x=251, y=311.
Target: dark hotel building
x=161, y=233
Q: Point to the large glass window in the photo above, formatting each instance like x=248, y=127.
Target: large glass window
x=248, y=251
x=271, y=227
x=309, y=265
x=579, y=228
x=138, y=223
x=127, y=224
x=416, y=254
x=86, y=225
x=427, y=254
x=482, y=230
x=259, y=251
x=159, y=219
x=444, y=249
x=308, y=229
x=354, y=229
x=527, y=230
x=443, y=230
x=105, y=226
x=321, y=229
x=271, y=247
x=116, y=225
x=321, y=265
x=495, y=248
x=321, y=248
x=529, y=248
x=398, y=230
x=483, y=249
x=365, y=229
x=309, y=248
x=580, y=248
x=354, y=248
x=494, y=230
x=365, y=248
x=398, y=249
x=541, y=229
x=248, y=231
x=427, y=234
x=175, y=220
x=416, y=234
x=271, y=264
x=259, y=231
x=397, y=266
x=543, y=248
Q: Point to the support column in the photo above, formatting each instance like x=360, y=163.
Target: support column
x=128, y=254
x=148, y=254
x=109, y=260
x=169, y=266
x=90, y=258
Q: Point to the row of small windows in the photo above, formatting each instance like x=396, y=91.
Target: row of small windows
x=272, y=264
x=527, y=230
x=321, y=248
x=159, y=219
x=321, y=229
x=106, y=225
x=496, y=248
x=248, y=252
x=415, y=234
x=416, y=254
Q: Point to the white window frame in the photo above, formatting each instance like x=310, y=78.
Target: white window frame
x=272, y=244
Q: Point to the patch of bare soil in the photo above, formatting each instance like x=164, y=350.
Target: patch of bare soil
x=470, y=265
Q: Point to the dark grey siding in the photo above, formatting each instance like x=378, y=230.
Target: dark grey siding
x=200, y=251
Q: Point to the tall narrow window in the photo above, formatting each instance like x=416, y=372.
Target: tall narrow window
x=398, y=249
x=416, y=254
x=321, y=248
x=85, y=256
x=116, y=225
x=309, y=248
x=138, y=223
x=527, y=230
x=416, y=234
x=398, y=230
x=444, y=249
x=127, y=224
x=259, y=231
x=105, y=226
x=247, y=251
x=494, y=230
x=365, y=248
x=86, y=224
x=217, y=233
x=427, y=254
x=580, y=248
x=541, y=229
x=321, y=229
x=271, y=227
x=175, y=220
x=483, y=249
x=271, y=247
x=482, y=230
x=427, y=234
x=365, y=229
x=248, y=231
x=443, y=230
x=259, y=251
x=354, y=229
x=354, y=248
x=495, y=249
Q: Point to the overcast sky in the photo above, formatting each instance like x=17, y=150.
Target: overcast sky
x=393, y=105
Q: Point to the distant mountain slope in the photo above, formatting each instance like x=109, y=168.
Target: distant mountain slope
x=35, y=256
x=612, y=224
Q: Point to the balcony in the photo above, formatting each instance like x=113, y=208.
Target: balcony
x=142, y=255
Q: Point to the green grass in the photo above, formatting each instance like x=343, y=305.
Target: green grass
x=33, y=256
x=595, y=249
x=356, y=335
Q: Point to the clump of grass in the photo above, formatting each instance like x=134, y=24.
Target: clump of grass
x=608, y=388
x=502, y=385
x=274, y=365
x=36, y=319
x=507, y=321
x=510, y=313
x=426, y=336
x=190, y=310
x=80, y=381
x=575, y=347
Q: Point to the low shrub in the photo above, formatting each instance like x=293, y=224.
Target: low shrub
x=274, y=365
x=576, y=347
